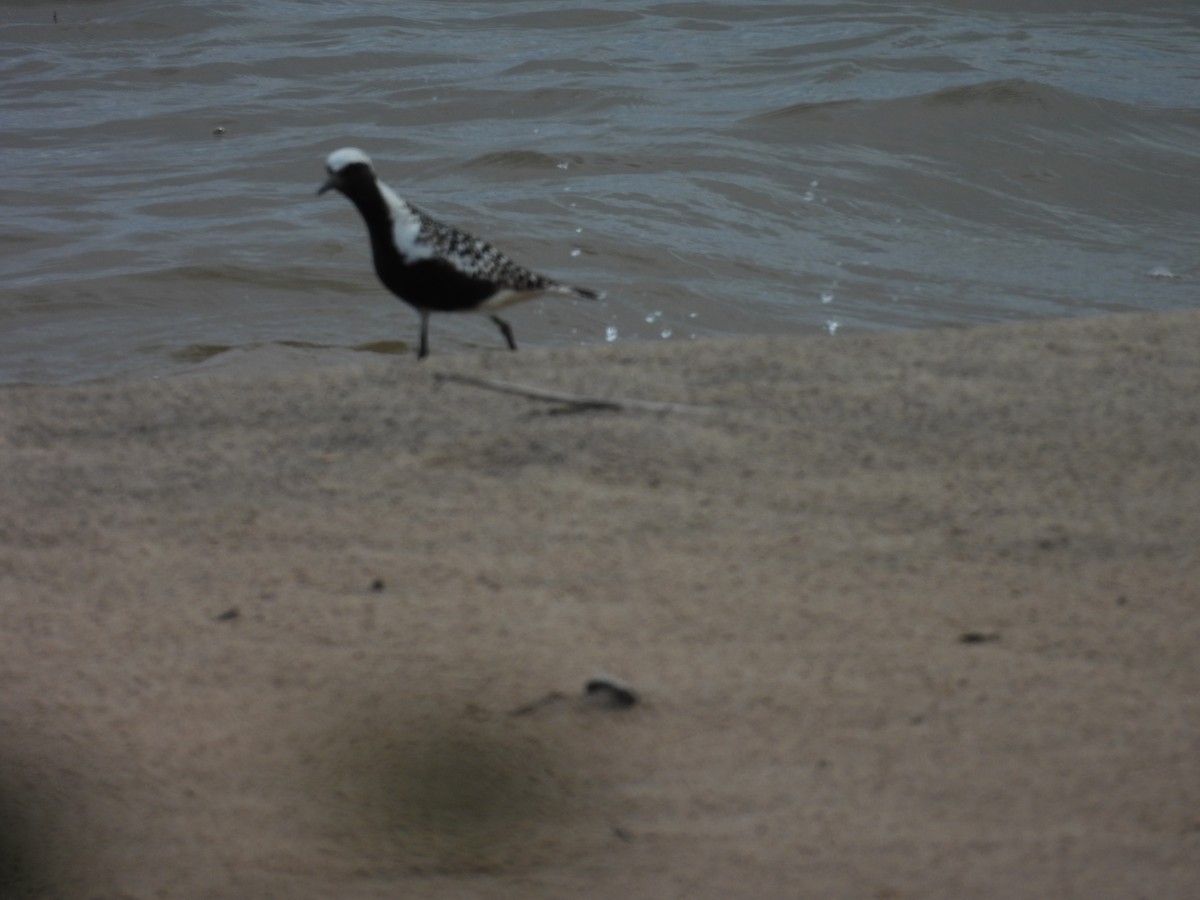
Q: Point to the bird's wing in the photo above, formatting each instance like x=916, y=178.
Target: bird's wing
x=475, y=257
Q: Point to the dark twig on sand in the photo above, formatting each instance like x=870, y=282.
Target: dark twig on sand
x=577, y=401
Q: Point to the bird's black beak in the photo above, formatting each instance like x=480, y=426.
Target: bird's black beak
x=332, y=183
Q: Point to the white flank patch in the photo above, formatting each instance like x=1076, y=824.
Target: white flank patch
x=406, y=226
x=502, y=298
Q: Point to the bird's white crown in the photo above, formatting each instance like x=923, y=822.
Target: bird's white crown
x=347, y=156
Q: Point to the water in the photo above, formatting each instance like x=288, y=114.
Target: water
x=715, y=168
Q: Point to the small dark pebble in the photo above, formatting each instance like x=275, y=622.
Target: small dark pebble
x=377, y=586
x=977, y=637
x=232, y=613
x=611, y=691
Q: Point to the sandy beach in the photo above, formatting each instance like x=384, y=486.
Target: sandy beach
x=909, y=615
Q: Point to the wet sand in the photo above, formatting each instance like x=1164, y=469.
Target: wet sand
x=909, y=615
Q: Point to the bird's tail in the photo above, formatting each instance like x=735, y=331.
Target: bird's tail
x=581, y=292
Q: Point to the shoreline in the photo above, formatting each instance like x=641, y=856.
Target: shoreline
x=909, y=614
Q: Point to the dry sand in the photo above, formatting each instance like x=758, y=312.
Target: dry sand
x=911, y=616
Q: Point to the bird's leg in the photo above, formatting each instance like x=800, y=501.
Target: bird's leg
x=423, y=351
x=506, y=330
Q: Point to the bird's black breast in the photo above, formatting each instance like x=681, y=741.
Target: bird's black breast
x=432, y=284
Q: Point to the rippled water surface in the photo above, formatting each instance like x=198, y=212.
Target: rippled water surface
x=714, y=168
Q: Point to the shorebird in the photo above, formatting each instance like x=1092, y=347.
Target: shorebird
x=431, y=266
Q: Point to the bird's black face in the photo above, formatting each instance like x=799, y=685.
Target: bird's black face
x=346, y=178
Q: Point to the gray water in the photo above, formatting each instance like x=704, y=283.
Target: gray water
x=715, y=168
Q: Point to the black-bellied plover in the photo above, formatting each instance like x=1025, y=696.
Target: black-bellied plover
x=431, y=266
